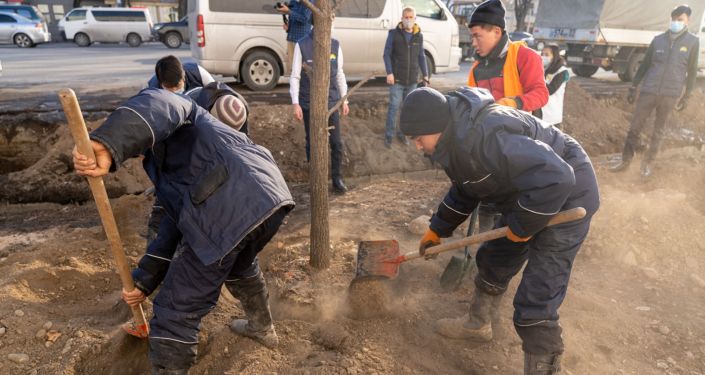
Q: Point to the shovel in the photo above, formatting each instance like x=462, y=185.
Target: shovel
x=80, y=135
x=457, y=267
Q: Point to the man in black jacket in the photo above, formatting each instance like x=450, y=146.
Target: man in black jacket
x=404, y=58
x=670, y=64
x=530, y=170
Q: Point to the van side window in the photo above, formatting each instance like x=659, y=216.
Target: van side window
x=77, y=15
x=426, y=8
x=360, y=8
x=243, y=6
x=118, y=16
x=7, y=19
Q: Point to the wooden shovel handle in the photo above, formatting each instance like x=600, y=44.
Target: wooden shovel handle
x=80, y=135
x=560, y=218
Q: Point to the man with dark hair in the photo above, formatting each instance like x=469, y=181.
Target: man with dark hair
x=530, y=170
x=670, y=65
x=404, y=58
x=171, y=74
x=227, y=198
x=300, y=91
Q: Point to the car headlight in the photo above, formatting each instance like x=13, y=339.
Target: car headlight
x=157, y=27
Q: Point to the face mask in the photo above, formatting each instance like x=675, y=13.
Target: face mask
x=546, y=61
x=408, y=24
x=676, y=26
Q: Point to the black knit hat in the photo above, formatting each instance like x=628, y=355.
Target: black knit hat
x=424, y=111
x=490, y=12
x=681, y=9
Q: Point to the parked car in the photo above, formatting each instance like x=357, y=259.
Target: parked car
x=21, y=31
x=26, y=11
x=523, y=36
x=244, y=38
x=172, y=34
x=112, y=25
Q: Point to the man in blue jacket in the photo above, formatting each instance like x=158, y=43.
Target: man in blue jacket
x=227, y=198
x=669, y=67
x=530, y=170
x=170, y=74
x=404, y=59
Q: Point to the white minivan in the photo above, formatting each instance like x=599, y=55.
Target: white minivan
x=113, y=25
x=245, y=39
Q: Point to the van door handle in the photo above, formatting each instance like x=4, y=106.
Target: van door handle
x=385, y=23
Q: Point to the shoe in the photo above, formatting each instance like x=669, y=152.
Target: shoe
x=339, y=186
x=542, y=364
x=645, y=170
x=388, y=142
x=622, y=166
x=477, y=325
x=254, y=296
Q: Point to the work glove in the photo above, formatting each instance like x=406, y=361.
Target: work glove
x=682, y=103
x=514, y=238
x=631, y=96
x=429, y=239
x=509, y=102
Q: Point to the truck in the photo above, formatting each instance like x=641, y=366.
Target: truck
x=610, y=34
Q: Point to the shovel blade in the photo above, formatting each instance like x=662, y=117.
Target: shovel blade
x=377, y=258
x=453, y=274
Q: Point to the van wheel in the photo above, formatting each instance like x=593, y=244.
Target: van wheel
x=23, y=41
x=82, y=40
x=134, y=40
x=173, y=39
x=260, y=71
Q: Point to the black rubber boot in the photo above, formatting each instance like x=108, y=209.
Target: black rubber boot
x=477, y=325
x=252, y=293
x=158, y=370
x=339, y=186
x=542, y=364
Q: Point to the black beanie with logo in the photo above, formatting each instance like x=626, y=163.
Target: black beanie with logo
x=490, y=12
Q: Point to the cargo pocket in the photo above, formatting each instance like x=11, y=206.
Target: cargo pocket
x=208, y=185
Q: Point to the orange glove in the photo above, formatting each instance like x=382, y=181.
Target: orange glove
x=509, y=102
x=430, y=238
x=514, y=238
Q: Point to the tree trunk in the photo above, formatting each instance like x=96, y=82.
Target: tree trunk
x=318, y=168
x=521, y=9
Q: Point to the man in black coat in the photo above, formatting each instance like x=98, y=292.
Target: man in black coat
x=530, y=170
x=227, y=199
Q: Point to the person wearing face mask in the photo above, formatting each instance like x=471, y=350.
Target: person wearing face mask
x=403, y=58
x=557, y=77
x=171, y=74
x=667, y=77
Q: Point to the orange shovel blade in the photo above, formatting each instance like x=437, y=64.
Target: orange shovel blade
x=138, y=330
x=378, y=258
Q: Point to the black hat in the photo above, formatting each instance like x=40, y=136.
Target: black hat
x=681, y=9
x=424, y=111
x=490, y=12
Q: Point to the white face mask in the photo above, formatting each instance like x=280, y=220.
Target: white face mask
x=546, y=61
x=408, y=24
x=676, y=26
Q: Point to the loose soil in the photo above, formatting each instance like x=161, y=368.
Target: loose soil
x=634, y=306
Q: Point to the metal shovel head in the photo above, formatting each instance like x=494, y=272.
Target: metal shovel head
x=453, y=274
x=377, y=258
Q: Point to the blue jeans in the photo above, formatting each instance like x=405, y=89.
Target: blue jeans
x=397, y=93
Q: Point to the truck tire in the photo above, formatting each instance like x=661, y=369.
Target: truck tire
x=260, y=71
x=585, y=70
x=134, y=40
x=82, y=40
x=173, y=39
x=633, y=66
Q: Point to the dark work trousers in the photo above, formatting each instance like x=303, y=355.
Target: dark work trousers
x=549, y=256
x=645, y=104
x=155, y=219
x=334, y=138
x=191, y=290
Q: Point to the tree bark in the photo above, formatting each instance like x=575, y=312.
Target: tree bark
x=521, y=9
x=318, y=168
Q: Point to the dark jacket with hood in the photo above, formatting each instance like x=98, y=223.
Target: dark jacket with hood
x=192, y=77
x=214, y=183
x=496, y=154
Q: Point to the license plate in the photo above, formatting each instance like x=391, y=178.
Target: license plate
x=575, y=59
x=559, y=33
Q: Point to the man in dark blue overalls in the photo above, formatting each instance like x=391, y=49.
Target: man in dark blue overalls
x=300, y=90
x=530, y=170
x=226, y=198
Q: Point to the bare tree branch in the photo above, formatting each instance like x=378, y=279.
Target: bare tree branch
x=313, y=8
x=350, y=92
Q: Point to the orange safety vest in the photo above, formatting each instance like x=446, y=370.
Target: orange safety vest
x=512, y=84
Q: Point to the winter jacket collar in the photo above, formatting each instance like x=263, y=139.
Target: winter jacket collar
x=415, y=30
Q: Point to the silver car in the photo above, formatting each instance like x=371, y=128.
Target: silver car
x=21, y=31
